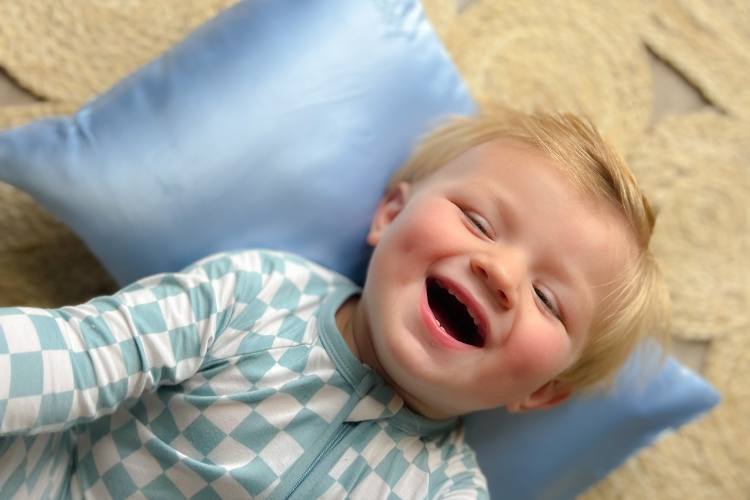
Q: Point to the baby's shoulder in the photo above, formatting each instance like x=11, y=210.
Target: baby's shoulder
x=266, y=263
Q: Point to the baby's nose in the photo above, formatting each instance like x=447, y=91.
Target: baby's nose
x=501, y=274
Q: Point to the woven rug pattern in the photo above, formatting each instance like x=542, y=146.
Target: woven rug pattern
x=588, y=57
x=555, y=54
x=709, y=42
x=69, y=50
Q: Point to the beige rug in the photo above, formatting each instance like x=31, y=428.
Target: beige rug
x=584, y=56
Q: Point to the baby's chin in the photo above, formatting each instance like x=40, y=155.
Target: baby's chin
x=425, y=401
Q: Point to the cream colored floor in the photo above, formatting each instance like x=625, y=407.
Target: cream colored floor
x=672, y=95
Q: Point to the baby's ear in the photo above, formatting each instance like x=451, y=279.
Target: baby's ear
x=389, y=207
x=547, y=396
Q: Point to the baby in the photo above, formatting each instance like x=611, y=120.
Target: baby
x=510, y=268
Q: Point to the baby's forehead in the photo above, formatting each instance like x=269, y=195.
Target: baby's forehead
x=500, y=153
x=493, y=162
x=490, y=163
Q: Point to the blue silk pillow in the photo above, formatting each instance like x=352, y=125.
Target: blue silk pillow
x=277, y=124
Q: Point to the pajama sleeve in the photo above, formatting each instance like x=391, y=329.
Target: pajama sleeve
x=61, y=367
x=462, y=479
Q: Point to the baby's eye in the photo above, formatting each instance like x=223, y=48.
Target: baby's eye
x=477, y=222
x=548, y=303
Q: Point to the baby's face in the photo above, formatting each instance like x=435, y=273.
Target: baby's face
x=485, y=279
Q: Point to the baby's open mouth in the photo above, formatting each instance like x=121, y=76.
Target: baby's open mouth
x=452, y=314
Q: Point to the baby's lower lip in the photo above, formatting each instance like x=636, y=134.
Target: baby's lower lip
x=440, y=336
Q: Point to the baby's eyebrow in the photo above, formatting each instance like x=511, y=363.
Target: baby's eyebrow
x=579, y=298
x=504, y=210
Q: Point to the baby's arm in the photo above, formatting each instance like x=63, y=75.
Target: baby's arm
x=60, y=367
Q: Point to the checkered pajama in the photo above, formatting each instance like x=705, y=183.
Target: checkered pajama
x=68, y=366
x=223, y=388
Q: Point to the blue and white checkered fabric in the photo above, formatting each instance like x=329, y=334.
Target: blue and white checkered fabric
x=228, y=380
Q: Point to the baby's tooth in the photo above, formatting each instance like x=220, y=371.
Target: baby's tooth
x=476, y=321
x=471, y=313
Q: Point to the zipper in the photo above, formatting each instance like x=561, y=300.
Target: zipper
x=340, y=433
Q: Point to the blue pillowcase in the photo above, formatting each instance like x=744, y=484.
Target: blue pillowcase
x=277, y=124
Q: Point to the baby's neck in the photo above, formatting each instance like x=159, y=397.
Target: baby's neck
x=345, y=323
x=353, y=326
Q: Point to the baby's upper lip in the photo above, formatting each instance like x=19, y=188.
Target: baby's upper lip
x=466, y=297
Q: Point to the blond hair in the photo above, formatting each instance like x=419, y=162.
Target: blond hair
x=639, y=306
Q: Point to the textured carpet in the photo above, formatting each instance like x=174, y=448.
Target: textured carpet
x=583, y=56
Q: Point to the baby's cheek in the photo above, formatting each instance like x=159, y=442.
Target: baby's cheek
x=543, y=355
x=425, y=237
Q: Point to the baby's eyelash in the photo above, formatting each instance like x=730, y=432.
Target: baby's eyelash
x=548, y=303
x=476, y=222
